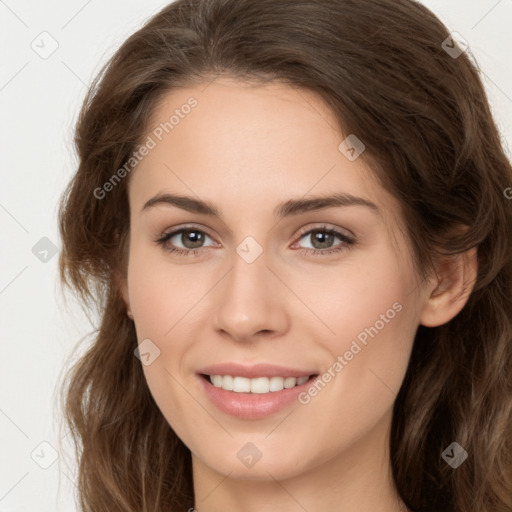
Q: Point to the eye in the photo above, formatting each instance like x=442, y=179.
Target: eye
x=322, y=238
x=193, y=239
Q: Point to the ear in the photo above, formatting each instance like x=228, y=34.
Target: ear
x=120, y=280
x=451, y=287
x=122, y=286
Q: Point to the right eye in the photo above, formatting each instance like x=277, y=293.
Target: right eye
x=186, y=236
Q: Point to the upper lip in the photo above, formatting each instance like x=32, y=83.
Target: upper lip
x=253, y=371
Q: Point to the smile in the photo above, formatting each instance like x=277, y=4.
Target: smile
x=253, y=392
x=260, y=385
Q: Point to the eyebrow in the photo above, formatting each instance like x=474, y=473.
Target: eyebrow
x=285, y=209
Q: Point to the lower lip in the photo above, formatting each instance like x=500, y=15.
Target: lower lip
x=252, y=406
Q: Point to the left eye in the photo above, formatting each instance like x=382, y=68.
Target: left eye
x=324, y=236
x=192, y=240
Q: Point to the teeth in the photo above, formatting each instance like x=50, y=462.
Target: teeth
x=240, y=384
x=276, y=384
x=301, y=380
x=257, y=385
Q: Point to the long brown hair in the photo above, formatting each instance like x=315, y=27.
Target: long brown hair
x=431, y=140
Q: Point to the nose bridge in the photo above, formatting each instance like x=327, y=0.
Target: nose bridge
x=250, y=300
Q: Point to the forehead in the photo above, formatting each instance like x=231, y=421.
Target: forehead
x=236, y=122
x=246, y=133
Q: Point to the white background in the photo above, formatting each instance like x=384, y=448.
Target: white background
x=39, y=101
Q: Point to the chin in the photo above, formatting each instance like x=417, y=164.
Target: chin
x=269, y=467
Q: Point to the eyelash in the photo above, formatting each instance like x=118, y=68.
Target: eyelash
x=347, y=241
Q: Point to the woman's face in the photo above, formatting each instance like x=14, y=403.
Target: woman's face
x=272, y=286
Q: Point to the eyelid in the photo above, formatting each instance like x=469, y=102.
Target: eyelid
x=183, y=227
x=327, y=227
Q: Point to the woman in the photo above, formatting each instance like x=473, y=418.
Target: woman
x=236, y=368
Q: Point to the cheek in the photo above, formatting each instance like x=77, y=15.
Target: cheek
x=162, y=299
x=368, y=292
x=371, y=313
x=160, y=293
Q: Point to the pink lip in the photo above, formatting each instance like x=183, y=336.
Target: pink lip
x=257, y=370
x=252, y=406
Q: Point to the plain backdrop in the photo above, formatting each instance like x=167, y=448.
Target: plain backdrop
x=40, y=96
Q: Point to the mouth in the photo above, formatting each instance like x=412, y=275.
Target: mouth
x=254, y=392
x=259, y=385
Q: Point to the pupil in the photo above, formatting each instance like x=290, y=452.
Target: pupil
x=194, y=237
x=318, y=238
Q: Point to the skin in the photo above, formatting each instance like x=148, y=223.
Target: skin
x=247, y=148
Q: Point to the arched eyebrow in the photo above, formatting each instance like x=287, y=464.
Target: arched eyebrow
x=284, y=209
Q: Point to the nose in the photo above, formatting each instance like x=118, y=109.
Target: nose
x=251, y=301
